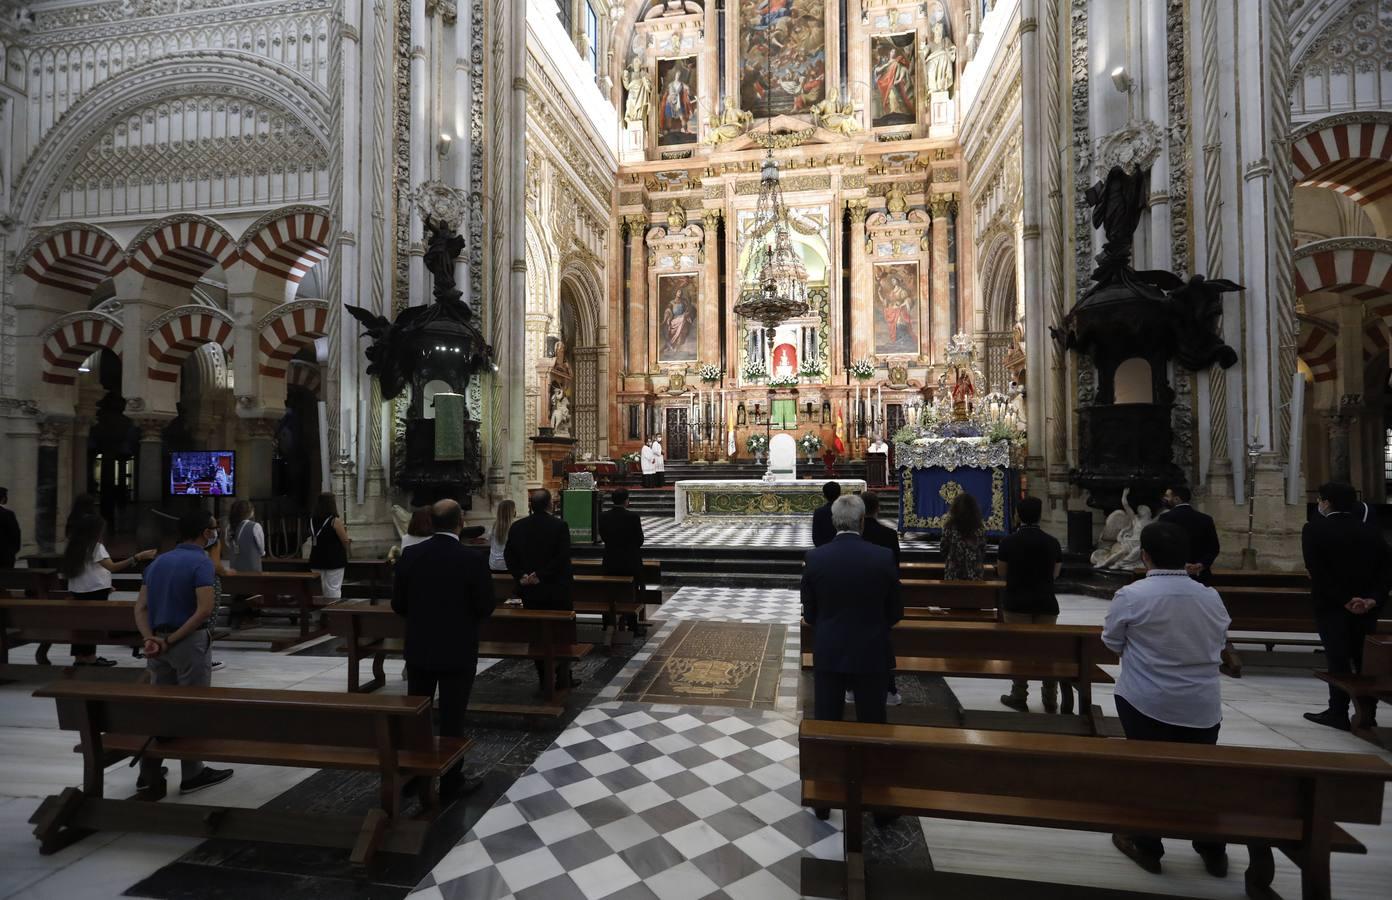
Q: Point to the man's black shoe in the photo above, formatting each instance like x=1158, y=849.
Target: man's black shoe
x=823, y=812
x=1330, y=718
x=1127, y=846
x=1216, y=862
x=144, y=787
x=205, y=779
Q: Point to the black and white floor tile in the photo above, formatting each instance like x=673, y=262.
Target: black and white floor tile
x=719, y=604
x=661, y=531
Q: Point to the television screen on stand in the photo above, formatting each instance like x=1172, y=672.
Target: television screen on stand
x=202, y=473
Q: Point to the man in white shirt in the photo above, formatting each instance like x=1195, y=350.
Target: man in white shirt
x=1170, y=631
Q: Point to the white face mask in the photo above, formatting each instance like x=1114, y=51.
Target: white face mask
x=212, y=540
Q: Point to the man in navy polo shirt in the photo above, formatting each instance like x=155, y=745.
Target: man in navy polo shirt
x=174, y=615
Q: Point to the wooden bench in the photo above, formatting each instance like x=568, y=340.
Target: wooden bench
x=1268, y=578
x=304, y=729
x=1274, y=611
x=958, y=600
x=369, y=571
x=1289, y=800
x=547, y=635
x=611, y=597
x=1071, y=654
x=650, y=578
x=47, y=621
x=28, y=582
x=1374, y=683
x=296, y=590
x=923, y=570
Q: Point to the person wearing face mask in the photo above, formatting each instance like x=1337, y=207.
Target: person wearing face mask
x=1203, y=534
x=1347, y=562
x=174, y=615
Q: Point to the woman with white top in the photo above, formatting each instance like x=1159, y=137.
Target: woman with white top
x=419, y=530
x=245, y=537
x=497, y=543
x=88, y=567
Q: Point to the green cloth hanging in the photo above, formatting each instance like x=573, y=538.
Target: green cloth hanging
x=450, y=414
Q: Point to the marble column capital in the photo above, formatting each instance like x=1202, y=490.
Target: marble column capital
x=52, y=429
x=258, y=427
x=151, y=427
x=858, y=208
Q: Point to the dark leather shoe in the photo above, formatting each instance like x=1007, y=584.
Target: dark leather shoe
x=1123, y=843
x=822, y=812
x=1215, y=862
x=1330, y=718
x=1019, y=704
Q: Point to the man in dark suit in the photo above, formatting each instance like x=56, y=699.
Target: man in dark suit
x=443, y=590
x=1029, y=559
x=822, y=530
x=1347, y=562
x=850, y=594
x=10, y=537
x=1203, y=534
x=621, y=530
x=538, y=556
x=877, y=532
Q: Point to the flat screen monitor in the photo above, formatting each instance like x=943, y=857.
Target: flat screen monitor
x=203, y=473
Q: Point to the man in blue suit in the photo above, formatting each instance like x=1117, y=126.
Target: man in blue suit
x=850, y=593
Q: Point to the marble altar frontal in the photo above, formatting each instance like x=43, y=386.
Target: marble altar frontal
x=782, y=456
x=753, y=502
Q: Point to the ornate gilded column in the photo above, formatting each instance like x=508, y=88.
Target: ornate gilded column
x=940, y=299
x=710, y=288
x=638, y=359
x=862, y=322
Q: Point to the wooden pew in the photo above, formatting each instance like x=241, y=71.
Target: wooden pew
x=1071, y=654
x=612, y=597
x=370, y=571
x=28, y=582
x=300, y=589
x=932, y=571
x=651, y=577
x=1284, y=799
x=389, y=735
x=51, y=620
x=547, y=635
x=1242, y=578
x=958, y=600
x=1274, y=611
x=1368, y=687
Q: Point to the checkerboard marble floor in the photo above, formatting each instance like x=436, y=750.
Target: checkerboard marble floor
x=661, y=531
x=718, y=604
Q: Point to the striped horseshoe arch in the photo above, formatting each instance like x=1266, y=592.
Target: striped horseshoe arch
x=289, y=246
x=181, y=252
x=289, y=330
x=177, y=333
x=74, y=258
x=306, y=375
x=1319, y=350
x=74, y=338
x=1358, y=267
x=1352, y=158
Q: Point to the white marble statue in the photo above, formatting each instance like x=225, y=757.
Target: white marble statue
x=639, y=86
x=1125, y=554
x=560, y=413
x=833, y=115
x=939, y=61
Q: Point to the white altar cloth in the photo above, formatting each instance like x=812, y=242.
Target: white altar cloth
x=752, y=502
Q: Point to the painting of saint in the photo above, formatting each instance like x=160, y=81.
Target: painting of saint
x=677, y=317
x=782, y=56
x=896, y=308
x=894, y=98
x=676, y=109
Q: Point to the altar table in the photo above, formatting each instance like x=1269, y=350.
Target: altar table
x=750, y=502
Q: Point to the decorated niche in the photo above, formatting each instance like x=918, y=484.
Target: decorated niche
x=904, y=67
x=899, y=280
x=666, y=54
x=675, y=292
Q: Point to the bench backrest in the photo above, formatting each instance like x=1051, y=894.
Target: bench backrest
x=290, y=584
x=951, y=594
x=33, y=614
x=538, y=626
x=1144, y=775
x=281, y=717
x=38, y=581
x=1377, y=655
x=991, y=640
x=583, y=588
x=652, y=569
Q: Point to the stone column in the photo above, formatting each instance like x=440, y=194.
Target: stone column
x=711, y=299
x=940, y=299
x=149, y=461
x=1349, y=395
x=862, y=322
x=47, y=477
x=20, y=428
x=255, y=456
x=638, y=295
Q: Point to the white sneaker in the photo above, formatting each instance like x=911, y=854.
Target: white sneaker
x=893, y=700
x=850, y=696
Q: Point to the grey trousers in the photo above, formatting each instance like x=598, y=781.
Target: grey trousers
x=1019, y=689
x=188, y=663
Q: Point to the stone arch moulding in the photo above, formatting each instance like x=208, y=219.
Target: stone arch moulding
x=72, y=256
x=1350, y=153
x=287, y=243
x=227, y=73
x=289, y=329
x=69, y=341
x=177, y=333
x=1319, y=348
x=1358, y=267
x=585, y=289
x=306, y=375
x=998, y=271
x=179, y=250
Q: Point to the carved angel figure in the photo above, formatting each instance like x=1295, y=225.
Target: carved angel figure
x=639, y=86
x=836, y=116
x=729, y=123
x=1196, y=309
x=1125, y=555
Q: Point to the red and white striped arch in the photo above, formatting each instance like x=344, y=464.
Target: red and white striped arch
x=289, y=246
x=1358, y=267
x=182, y=330
x=1319, y=349
x=1352, y=158
x=305, y=374
x=74, y=258
x=74, y=338
x=180, y=253
x=286, y=332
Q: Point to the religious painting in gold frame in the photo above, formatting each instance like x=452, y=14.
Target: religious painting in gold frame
x=783, y=57
x=893, y=80
x=896, y=308
x=676, y=101
x=678, y=298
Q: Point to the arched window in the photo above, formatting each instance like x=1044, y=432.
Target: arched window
x=592, y=37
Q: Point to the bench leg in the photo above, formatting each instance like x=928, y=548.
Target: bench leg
x=1314, y=874
x=1261, y=870
x=855, y=853
x=51, y=818
x=374, y=830
x=41, y=653
x=379, y=671
x=1231, y=662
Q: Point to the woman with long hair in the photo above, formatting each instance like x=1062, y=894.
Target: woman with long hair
x=419, y=530
x=328, y=556
x=964, y=540
x=497, y=542
x=82, y=505
x=88, y=567
x=245, y=538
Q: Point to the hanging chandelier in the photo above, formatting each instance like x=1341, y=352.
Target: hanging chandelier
x=774, y=282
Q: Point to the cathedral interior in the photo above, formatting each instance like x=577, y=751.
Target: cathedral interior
x=398, y=252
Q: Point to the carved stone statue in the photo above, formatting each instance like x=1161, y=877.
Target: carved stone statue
x=560, y=412
x=939, y=60
x=639, y=86
x=836, y=116
x=895, y=202
x=676, y=217
x=444, y=246
x=1125, y=555
x=729, y=123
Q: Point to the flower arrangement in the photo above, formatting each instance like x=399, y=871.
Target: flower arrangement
x=757, y=444
x=810, y=443
x=629, y=459
x=863, y=369
x=811, y=368
x=708, y=373
x=783, y=381
x=1003, y=430
x=754, y=370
